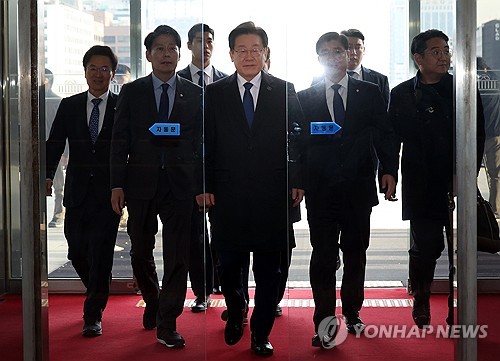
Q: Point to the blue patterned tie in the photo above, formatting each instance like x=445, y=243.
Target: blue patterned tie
x=94, y=120
x=248, y=103
x=164, y=104
x=338, y=105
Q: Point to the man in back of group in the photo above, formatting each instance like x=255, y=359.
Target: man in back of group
x=86, y=120
x=355, y=68
x=203, y=275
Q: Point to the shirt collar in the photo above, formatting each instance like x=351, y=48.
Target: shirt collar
x=194, y=70
x=90, y=97
x=255, y=81
x=157, y=82
x=343, y=82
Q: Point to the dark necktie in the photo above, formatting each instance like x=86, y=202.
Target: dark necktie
x=164, y=105
x=352, y=74
x=94, y=120
x=248, y=103
x=338, y=105
x=201, y=81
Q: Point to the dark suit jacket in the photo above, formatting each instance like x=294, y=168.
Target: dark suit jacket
x=247, y=169
x=87, y=161
x=377, y=78
x=424, y=122
x=352, y=157
x=186, y=74
x=137, y=155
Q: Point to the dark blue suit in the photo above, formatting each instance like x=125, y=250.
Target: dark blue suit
x=90, y=225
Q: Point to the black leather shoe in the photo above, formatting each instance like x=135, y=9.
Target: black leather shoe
x=224, y=316
x=171, y=339
x=354, y=323
x=278, y=311
x=233, y=332
x=262, y=347
x=200, y=304
x=216, y=290
x=92, y=328
x=149, y=316
x=421, y=315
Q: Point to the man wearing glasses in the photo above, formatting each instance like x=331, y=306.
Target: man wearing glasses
x=346, y=123
x=248, y=182
x=85, y=120
x=422, y=113
x=154, y=146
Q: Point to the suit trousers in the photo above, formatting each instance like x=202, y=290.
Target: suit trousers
x=266, y=269
x=201, y=269
x=90, y=229
x=142, y=227
x=334, y=221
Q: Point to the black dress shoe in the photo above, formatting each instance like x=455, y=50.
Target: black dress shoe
x=278, y=311
x=421, y=315
x=216, y=290
x=354, y=323
x=262, y=347
x=233, y=332
x=200, y=304
x=149, y=316
x=92, y=328
x=224, y=316
x=170, y=338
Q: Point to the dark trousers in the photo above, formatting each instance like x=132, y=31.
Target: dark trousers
x=335, y=222
x=90, y=230
x=201, y=269
x=428, y=244
x=142, y=227
x=266, y=269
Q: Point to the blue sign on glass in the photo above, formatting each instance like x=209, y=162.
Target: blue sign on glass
x=321, y=128
x=166, y=129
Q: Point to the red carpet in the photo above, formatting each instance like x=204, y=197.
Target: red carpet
x=125, y=339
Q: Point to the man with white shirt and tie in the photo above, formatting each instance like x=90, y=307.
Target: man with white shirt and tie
x=355, y=68
x=86, y=120
x=250, y=181
x=346, y=123
x=202, y=271
x=201, y=43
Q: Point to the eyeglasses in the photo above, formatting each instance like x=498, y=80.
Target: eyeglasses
x=337, y=52
x=437, y=53
x=165, y=49
x=102, y=69
x=255, y=52
x=356, y=49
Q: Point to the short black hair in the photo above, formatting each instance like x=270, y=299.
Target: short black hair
x=101, y=50
x=353, y=33
x=199, y=28
x=419, y=42
x=247, y=28
x=122, y=69
x=325, y=38
x=162, y=30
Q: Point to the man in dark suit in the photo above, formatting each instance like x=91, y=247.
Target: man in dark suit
x=340, y=180
x=203, y=276
x=422, y=113
x=355, y=68
x=246, y=180
x=85, y=120
x=152, y=169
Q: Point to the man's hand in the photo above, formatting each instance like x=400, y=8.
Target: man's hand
x=205, y=200
x=117, y=200
x=297, y=196
x=389, y=187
